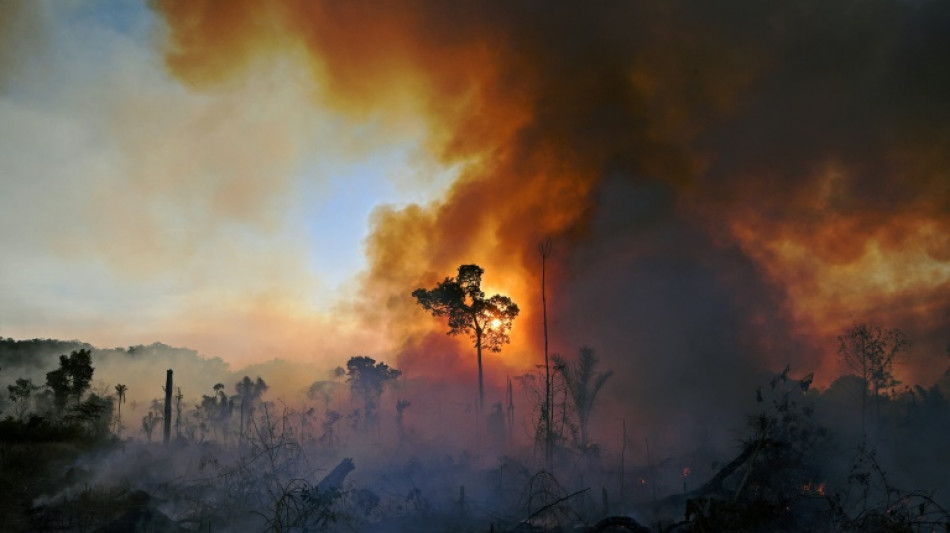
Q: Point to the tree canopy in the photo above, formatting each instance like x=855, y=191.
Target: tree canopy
x=871, y=351
x=72, y=378
x=367, y=379
x=250, y=393
x=487, y=321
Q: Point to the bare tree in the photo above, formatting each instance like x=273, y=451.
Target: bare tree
x=148, y=424
x=401, y=406
x=178, y=397
x=167, y=419
x=544, y=250
x=871, y=352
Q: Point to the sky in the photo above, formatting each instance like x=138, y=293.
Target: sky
x=138, y=210
x=726, y=186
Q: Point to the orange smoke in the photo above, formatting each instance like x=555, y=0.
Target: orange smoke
x=758, y=125
x=451, y=65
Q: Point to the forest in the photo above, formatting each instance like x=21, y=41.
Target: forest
x=350, y=453
x=481, y=267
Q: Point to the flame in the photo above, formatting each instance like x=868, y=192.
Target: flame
x=814, y=488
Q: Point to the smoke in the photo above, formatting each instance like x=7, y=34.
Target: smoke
x=22, y=34
x=727, y=185
x=136, y=210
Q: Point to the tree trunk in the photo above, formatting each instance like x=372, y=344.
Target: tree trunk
x=583, y=423
x=511, y=414
x=481, y=383
x=544, y=249
x=864, y=402
x=243, y=403
x=877, y=409
x=168, y=408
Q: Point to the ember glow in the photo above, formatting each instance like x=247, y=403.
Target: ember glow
x=726, y=186
x=813, y=488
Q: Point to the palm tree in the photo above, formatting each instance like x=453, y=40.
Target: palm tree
x=120, y=394
x=583, y=384
x=250, y=393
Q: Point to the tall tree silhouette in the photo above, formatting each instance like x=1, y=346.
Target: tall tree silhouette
x=367, y=379
x=544, y=250
x=871, y=352
x=120, y=391
x=20, y=393
x=486, y=320
x=72, y=378
x=148, y=424
x=250, y=393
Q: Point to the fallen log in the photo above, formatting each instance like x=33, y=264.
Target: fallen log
x=618, y=522
x=334, y=480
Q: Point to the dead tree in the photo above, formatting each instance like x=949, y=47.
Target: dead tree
x=544, y=250
x=178, y=397
x=167, y=426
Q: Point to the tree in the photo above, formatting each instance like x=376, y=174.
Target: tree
x=583, y=383
x=544, y=250
x=167, y=419
x=250, y=393
x=148, y=424
x=20, y=393
x=94, y=414
x=178, y=398
x=120, y=391
x=72, y=378
x=401, y=406
x=367, y=378
x=329, y=437
x=215, y=410
x=323, y=391
x=871, y=352
x=487, y=321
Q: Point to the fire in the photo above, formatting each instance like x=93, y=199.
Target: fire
x=813, y=488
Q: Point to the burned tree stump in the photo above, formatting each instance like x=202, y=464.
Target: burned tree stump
x=167, y=428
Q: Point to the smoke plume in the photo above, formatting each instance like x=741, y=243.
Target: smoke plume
x=727, y=185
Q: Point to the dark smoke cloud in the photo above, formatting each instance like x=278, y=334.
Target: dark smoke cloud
x=728, y=184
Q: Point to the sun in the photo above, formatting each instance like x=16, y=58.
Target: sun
x=494, y=323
